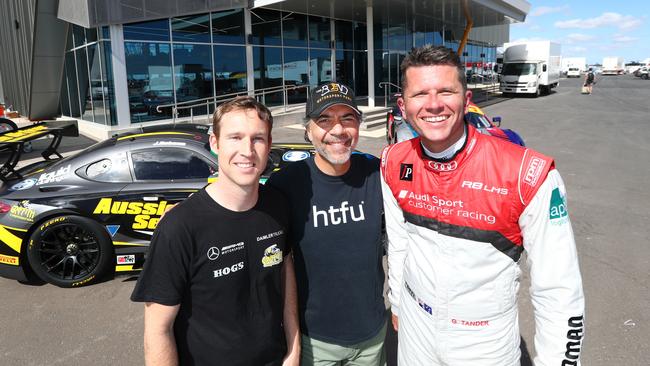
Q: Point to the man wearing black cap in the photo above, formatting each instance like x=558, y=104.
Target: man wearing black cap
x=336, y=233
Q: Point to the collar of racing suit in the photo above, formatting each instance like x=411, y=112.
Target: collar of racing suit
x=449, y=152
x=452, y=163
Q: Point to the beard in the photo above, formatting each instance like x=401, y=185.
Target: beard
x=338, y=159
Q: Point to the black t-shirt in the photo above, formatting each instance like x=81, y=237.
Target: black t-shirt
x=590, y=77
x=336, y=225
x=224, y=269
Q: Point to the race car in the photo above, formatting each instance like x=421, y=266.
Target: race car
x=74, y=221
x=399, y=129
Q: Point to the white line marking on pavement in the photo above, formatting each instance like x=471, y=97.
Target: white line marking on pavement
x=376, y=133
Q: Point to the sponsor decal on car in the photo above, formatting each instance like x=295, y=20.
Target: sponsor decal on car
x=7, y=259
x=146, y=214
x=26, y=184
x=21, y=211
x=272, y=256
x=55, y=176
x=169, y=143
x=295, y=155
x=126, y=259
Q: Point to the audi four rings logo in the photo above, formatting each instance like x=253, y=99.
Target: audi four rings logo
x=213, y=253
x=443, y=167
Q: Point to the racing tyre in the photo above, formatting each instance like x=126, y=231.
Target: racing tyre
x=70, y=251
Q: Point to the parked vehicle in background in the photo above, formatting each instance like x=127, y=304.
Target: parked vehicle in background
x=530, y=67
x=573, y=62
x=643, y=72
x=613, y=66
x=573, y=72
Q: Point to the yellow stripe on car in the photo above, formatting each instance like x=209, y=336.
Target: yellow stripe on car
x=9, y=238
x=127, y=243
x=126, y=268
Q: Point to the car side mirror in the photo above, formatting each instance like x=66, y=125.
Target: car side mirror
x=544, y=67
x=496, y=121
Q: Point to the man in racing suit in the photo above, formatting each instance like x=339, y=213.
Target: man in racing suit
x=460, y=208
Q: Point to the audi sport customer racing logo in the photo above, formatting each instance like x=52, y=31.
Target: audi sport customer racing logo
x=443, y=167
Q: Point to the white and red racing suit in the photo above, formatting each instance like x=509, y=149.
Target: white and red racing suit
x=456, y=231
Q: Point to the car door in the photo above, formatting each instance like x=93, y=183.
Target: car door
x=162, y=177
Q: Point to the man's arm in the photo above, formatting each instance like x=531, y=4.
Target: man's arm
x=397, y=245
x=159, y=341
x=290, y=313
x=556, y=283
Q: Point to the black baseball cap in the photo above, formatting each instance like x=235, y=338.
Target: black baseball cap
x=327, y=95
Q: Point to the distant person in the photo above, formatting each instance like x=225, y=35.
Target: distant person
x=218, y=283
x=590, y=80
x=336, y=236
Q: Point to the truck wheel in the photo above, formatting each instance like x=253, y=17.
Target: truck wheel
x=70, y=251
x=538, y=92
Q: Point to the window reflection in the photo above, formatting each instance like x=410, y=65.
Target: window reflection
x=320, y=64
x=230, y=69
x=266, y=27
x=228, y=26
x=192, y=74
x=345, y=67
x=319, y=32
x=344, y=35
x=267, y=63
x=294, y=29
x=149, y=78
x=194, y=28
x=296, y=73
x=73, y=91
x=84, y=85
x=157, y=30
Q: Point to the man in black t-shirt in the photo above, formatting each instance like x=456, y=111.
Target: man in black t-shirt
x=218, y=283
x=336, y=235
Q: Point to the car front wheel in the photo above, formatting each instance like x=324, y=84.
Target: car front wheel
x=70, y=251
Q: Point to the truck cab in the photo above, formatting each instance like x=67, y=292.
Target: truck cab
x=530, y=68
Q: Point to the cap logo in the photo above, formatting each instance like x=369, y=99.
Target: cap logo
x=332, y=88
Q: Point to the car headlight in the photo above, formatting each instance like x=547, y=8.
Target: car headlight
x=531, y=84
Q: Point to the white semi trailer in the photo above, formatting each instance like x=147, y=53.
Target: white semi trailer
x=613, y=66
x=530, y=67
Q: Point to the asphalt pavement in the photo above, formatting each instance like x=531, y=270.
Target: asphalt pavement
x=600, y=144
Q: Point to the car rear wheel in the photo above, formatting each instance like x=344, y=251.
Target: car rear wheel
x=70, y=251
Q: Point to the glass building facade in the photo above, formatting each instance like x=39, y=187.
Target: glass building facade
x=192, y=59
x=87, y=90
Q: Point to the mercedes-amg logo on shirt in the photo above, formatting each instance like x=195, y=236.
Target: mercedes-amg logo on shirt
x=213, y=253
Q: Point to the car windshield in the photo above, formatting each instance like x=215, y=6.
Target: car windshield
x=519, y=69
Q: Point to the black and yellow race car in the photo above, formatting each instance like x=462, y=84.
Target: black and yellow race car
x=74, y=221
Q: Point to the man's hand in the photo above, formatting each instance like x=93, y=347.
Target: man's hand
x=395, y=322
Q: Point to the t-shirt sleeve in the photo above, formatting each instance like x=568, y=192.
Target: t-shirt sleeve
x=164, y=277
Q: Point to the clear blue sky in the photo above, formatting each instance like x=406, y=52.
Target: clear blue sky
x=591, y=29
